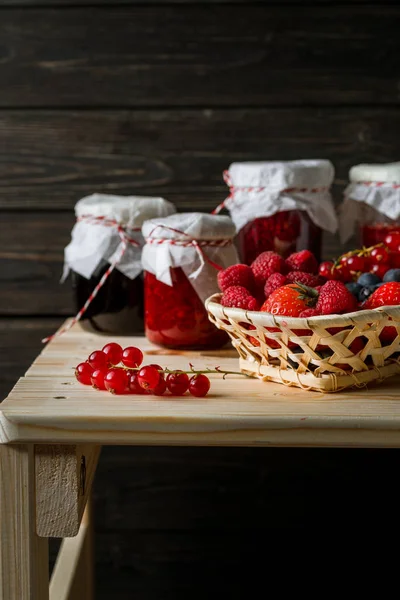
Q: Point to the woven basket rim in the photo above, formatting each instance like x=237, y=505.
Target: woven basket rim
x=213, y=303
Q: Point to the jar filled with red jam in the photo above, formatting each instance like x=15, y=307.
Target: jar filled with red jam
x=371, y=207
x=181, y=259
x=280, y=206
x=104, y=259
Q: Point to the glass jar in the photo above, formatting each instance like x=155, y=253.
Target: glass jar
x=280, y=206
x=181, y=259
x=371, y=207
x=104, y=259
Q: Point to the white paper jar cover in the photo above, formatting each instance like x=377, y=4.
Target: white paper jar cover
x=261, y=189
x=376, y=186
x=95, y=236
x=193, y=241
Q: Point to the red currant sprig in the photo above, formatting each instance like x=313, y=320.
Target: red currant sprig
x=104, y=371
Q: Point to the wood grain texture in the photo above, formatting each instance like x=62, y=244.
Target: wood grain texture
x=23, y=555
x=239, y=411
x=64, y=477
x=196, y=55
x=50, y=159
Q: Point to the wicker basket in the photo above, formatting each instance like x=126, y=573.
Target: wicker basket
x=309, y=353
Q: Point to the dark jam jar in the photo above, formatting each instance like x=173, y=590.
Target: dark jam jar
x=280, y=206
x=181, y=258
x=371, y=206
x=104, y=259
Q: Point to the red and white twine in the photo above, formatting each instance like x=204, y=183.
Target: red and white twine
x=249, y=189
x=389, y=184
x=126, y=240
x=198, y=245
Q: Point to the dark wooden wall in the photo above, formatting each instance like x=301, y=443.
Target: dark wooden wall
x=158, y=97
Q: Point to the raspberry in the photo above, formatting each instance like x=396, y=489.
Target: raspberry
x=238, y=297
x=289, y=300
x=302, y=261
x=265, y=264
x=386, y=295
x=302, y=277
x=309, y=312
x=274, y=281
x=335, y=298
x=236, y=275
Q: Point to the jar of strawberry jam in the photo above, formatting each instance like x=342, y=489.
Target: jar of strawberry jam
x=181, y=259
x=104, y=259
x=371, y=206
x=280, y=206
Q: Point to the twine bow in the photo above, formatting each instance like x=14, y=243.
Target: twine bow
x=126, y=240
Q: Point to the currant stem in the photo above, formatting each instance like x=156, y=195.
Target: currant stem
x=191, y=372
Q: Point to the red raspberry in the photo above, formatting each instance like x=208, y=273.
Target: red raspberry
x=303, y=261
x=236, y=275
x=265, y=264
x=289, y=300
x=238, y=297
x=302, y=277
x=309, y=312
x=274, y=281
x=386, y=295
x=335, y=298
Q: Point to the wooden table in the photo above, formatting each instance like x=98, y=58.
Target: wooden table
x=52, y=429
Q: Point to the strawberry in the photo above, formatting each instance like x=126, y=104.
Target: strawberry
x=334, y=298
x=302, y=261
x=309, y=312
x=290, y=300
x=356, y=346
x=387, y=294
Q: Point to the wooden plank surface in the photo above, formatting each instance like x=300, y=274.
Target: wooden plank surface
x=49, y=159
x=196, y=55
x=49, y=405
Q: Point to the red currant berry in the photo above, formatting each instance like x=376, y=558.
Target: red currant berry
x=113, y=352
x=325, y=269
x=356, y=264
x=380, y=255
x=83, y=373
x=380, y=270
x=134, y=387
x=132, y=357
x=199, y=385
x=98, y=360
x=177, y=383
x=98, y=379
x=392, y=240
x=148, y=377
x=116, y=381
x=160, y=388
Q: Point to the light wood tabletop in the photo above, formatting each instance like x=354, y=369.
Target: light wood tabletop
x=48, y=405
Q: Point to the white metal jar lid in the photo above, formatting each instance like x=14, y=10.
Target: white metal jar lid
x=386, y=173
x=130, y=211
x=198, y=226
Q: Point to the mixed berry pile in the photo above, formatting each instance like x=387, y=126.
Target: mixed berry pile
x=300, y=287
x=121, y=371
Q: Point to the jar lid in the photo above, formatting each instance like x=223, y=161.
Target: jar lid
x=281, y=175
x=198, y=226
x=386, y=173
x=130, y=211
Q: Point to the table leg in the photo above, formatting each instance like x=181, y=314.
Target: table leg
x=24, y=566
